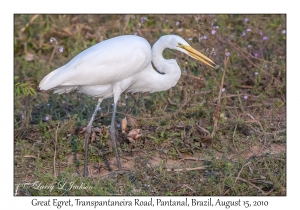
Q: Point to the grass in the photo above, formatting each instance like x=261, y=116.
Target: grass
x=246, y=155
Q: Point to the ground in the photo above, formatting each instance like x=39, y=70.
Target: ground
x=217, y=132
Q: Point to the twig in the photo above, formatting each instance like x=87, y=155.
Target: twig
x=233, y=137
x=242, y=106
x=172, y=103
x=189, y=187
x=195, y=159
x=27, y=24
x=29, y=156
x=52, y=54
x=186, y=169
x=55, y=144
x=269, y=192
x=126, y=22
x=238, y=176
x=226, y=191
x=217, y=110
x=253, y=185
x=251, y=116
x=178, y=152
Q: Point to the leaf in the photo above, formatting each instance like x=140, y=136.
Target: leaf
x=24, y=91
x=18, y=91
x=130, y=140
x=134, y=134
x=29, y=57
x=132, y=121
x=32, y=91
x=23, y=84
x=124, y=124
x=162, y=134
x=83, y=130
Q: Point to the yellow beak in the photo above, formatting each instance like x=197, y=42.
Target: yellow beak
x=199, y=56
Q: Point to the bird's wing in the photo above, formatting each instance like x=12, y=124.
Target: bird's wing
x=107, y=62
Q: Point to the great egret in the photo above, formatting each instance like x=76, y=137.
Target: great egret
x=120, y=64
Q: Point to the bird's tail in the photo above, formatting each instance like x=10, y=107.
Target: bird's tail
x=52, y=80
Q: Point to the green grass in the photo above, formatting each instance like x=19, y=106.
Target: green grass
x=246, y=156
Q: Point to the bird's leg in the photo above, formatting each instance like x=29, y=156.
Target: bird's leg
x=113, y=134
x=87, y=137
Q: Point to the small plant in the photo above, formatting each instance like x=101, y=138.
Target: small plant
x=24, y=89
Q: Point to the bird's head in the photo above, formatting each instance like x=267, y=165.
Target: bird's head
x=181, y=45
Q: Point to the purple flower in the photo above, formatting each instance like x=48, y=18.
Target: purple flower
x=265, y=38
x=249, y=46
x=243, y=33
x=177, y=23
x=260, y=33
x=283, y=31
x=246, y=20
x=227, y=54
x=47, y=118
x=61, y=49
x=256, y=54
x=215, y=26
x=256, y=73
x=248, y=29
x=223, y=89
x=213, y=32
x=143, y=19
x=245, y=97
x=204, y=37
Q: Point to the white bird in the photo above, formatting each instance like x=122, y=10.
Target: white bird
x=120, y=64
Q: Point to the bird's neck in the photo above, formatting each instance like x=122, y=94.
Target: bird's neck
x=170, y=67
x=157, y=57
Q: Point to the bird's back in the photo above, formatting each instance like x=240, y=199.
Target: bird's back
x=107, y=62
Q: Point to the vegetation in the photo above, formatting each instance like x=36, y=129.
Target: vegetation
x=202, y=137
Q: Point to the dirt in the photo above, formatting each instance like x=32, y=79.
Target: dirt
x=186, y=161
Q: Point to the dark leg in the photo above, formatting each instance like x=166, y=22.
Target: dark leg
x=87, y=137
x=113, y=136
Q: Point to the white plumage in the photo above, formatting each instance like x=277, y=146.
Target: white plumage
x=120, y=64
